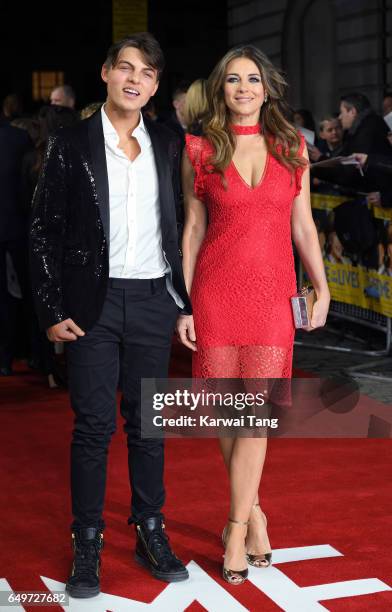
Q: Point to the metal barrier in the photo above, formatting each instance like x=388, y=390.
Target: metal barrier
x=348, y=312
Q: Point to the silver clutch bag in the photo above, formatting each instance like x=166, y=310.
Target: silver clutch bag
x=302, y=305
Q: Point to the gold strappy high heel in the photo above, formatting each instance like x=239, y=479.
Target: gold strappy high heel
x=265, y=559
x=235, y=577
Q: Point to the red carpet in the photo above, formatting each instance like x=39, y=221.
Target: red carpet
x=314, y=492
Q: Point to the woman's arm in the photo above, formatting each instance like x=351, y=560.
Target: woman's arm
x=305, y=238
x=195, y=227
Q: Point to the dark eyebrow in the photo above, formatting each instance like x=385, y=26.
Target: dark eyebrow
x=237, y=75
x=122, y=61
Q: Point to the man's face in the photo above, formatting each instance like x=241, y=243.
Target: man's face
x=347, y=116
x=130, y=82
x=332, y=132
x=58, y=97
x=387, y=105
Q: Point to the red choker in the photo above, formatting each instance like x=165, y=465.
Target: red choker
x=243, y=130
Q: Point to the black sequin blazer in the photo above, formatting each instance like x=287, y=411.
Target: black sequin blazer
x=69, y=234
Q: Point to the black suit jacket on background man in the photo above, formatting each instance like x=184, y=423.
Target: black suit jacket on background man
x=367, y=135
x=70, y=230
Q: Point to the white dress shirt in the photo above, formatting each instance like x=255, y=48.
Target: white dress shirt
x=135, y=249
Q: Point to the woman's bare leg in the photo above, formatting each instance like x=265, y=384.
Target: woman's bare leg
x=245, y=469
x=259, y=367
x=226, y=446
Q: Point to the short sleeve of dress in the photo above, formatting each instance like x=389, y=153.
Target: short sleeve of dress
x=194, y=148
x=300, y=170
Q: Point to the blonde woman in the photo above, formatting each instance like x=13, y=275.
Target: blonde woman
x=249, y=176
x=196, y=106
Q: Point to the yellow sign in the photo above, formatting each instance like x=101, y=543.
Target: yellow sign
x=382, y=213
x=323, y=201
x=355, y=284
x=359, y=286
x=129, y=16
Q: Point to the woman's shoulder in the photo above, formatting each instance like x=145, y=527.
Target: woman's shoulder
x=197, y=147
x=196, y=140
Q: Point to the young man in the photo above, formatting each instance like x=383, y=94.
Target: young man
x=107, y=280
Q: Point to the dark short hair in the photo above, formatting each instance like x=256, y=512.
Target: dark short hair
x=68, y=91
x=356, y=100
x=330, y=117
x=147, y=45
x=387, y=94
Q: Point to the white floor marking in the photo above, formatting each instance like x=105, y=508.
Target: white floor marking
x=176, y=597
x=213, y=597
x=292, y=598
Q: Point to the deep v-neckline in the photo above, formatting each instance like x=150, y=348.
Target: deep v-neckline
x=238, y=173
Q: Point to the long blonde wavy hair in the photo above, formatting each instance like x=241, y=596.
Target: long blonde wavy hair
x=281, y=137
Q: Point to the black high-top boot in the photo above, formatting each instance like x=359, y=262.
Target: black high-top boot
x=84, y=580
x=153, y=551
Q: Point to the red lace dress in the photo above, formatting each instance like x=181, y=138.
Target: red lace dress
x=244, y=275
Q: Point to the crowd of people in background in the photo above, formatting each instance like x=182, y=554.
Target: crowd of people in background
x=356, y=132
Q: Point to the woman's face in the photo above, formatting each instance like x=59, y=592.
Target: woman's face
x=243, y=90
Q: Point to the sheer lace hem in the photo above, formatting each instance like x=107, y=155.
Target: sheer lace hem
x=242, y=362
x=268, y=366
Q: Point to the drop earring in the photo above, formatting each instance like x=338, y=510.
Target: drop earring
x=265, y=98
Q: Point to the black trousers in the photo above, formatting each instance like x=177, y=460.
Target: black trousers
x=132, y=336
